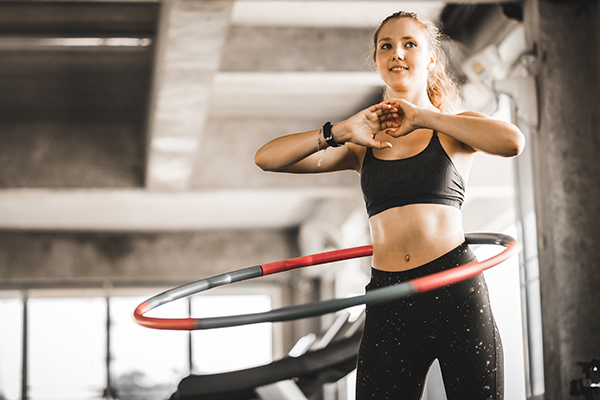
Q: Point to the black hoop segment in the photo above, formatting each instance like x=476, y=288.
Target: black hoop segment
x=319, y=307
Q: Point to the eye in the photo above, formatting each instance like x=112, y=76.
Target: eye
x=385, y=46
x=410, y=45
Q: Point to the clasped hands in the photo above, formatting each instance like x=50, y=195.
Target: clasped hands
x=397, y=117
x=394, y=117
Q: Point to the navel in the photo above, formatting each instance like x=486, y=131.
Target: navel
x=407, y=257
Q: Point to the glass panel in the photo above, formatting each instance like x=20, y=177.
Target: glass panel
x=504, y=283
x=147, y=363
x=67, y=348
x=228, y=349
x=11, y=348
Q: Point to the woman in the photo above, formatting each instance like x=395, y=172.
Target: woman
x=414, y=157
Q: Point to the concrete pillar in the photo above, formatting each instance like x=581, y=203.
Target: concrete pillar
x=566, y=148
x=191, y=37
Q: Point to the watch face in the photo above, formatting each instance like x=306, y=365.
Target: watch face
x=327, y=135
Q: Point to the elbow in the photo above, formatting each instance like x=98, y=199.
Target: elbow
x=515, y=144
x=259, y=161
x=262, y=162
x=519, y=143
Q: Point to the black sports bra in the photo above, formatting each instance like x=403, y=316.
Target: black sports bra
x=427, y=177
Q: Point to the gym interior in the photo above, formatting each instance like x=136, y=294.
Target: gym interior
x=127, y=136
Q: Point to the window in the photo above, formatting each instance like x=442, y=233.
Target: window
x=147, y=363
x=228, y=349
x=66, y=347
x=69, y=338
x=11, y=353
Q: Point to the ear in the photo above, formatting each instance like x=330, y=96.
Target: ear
x=432, y=61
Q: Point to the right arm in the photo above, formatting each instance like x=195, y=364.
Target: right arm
x=297, y=152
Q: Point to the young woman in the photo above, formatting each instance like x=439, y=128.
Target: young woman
x=414, y=158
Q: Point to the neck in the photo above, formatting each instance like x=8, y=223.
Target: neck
x=418, y=98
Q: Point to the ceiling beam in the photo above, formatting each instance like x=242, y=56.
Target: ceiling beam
x=141, y=210
x=190, y=40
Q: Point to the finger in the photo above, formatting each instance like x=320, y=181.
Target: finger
x=381, y=105
x=389, y=124
x=392, y=111
x=390, y=117
x=391, y=102
x=389, y=114
x=380, y=145
x=385, y=109
x=374, y=108
x=379, y=112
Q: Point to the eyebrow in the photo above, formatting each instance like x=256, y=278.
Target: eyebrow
x=389, y=39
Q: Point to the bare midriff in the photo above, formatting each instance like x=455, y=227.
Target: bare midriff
x=413, y=235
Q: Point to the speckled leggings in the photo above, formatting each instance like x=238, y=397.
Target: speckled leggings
x=401, y=339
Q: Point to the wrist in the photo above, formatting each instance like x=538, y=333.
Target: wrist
x=340, y=133
x=423, y=117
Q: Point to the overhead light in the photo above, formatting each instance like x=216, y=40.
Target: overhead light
x=321, y=13
x=38, y=42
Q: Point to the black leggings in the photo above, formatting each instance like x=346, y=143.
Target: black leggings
x=454, y=324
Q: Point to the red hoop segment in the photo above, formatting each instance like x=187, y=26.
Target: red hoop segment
x=461, y=273
x=316, y=259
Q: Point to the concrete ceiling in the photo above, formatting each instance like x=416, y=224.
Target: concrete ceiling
x=145, y=115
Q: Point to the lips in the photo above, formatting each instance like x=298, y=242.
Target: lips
x=398, y=68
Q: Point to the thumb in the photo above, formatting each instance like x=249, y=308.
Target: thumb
x=376, y=144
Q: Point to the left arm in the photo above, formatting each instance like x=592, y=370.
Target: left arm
x=474, y=129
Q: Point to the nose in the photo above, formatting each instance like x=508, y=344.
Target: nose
x=398, y=55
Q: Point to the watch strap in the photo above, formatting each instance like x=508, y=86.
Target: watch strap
x=328, y=136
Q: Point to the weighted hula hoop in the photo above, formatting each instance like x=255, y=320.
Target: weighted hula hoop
x=317, y=308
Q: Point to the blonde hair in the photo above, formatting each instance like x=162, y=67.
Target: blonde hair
x=441, y=88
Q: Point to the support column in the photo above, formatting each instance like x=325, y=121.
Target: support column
x=566, y=152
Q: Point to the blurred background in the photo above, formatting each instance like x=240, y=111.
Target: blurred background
x=127, y=136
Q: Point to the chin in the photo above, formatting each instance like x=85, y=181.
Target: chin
x=396, y=84
x=405, y=86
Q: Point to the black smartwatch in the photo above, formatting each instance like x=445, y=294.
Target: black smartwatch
x=328, y=136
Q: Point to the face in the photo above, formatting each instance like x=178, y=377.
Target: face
x=402, y=56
